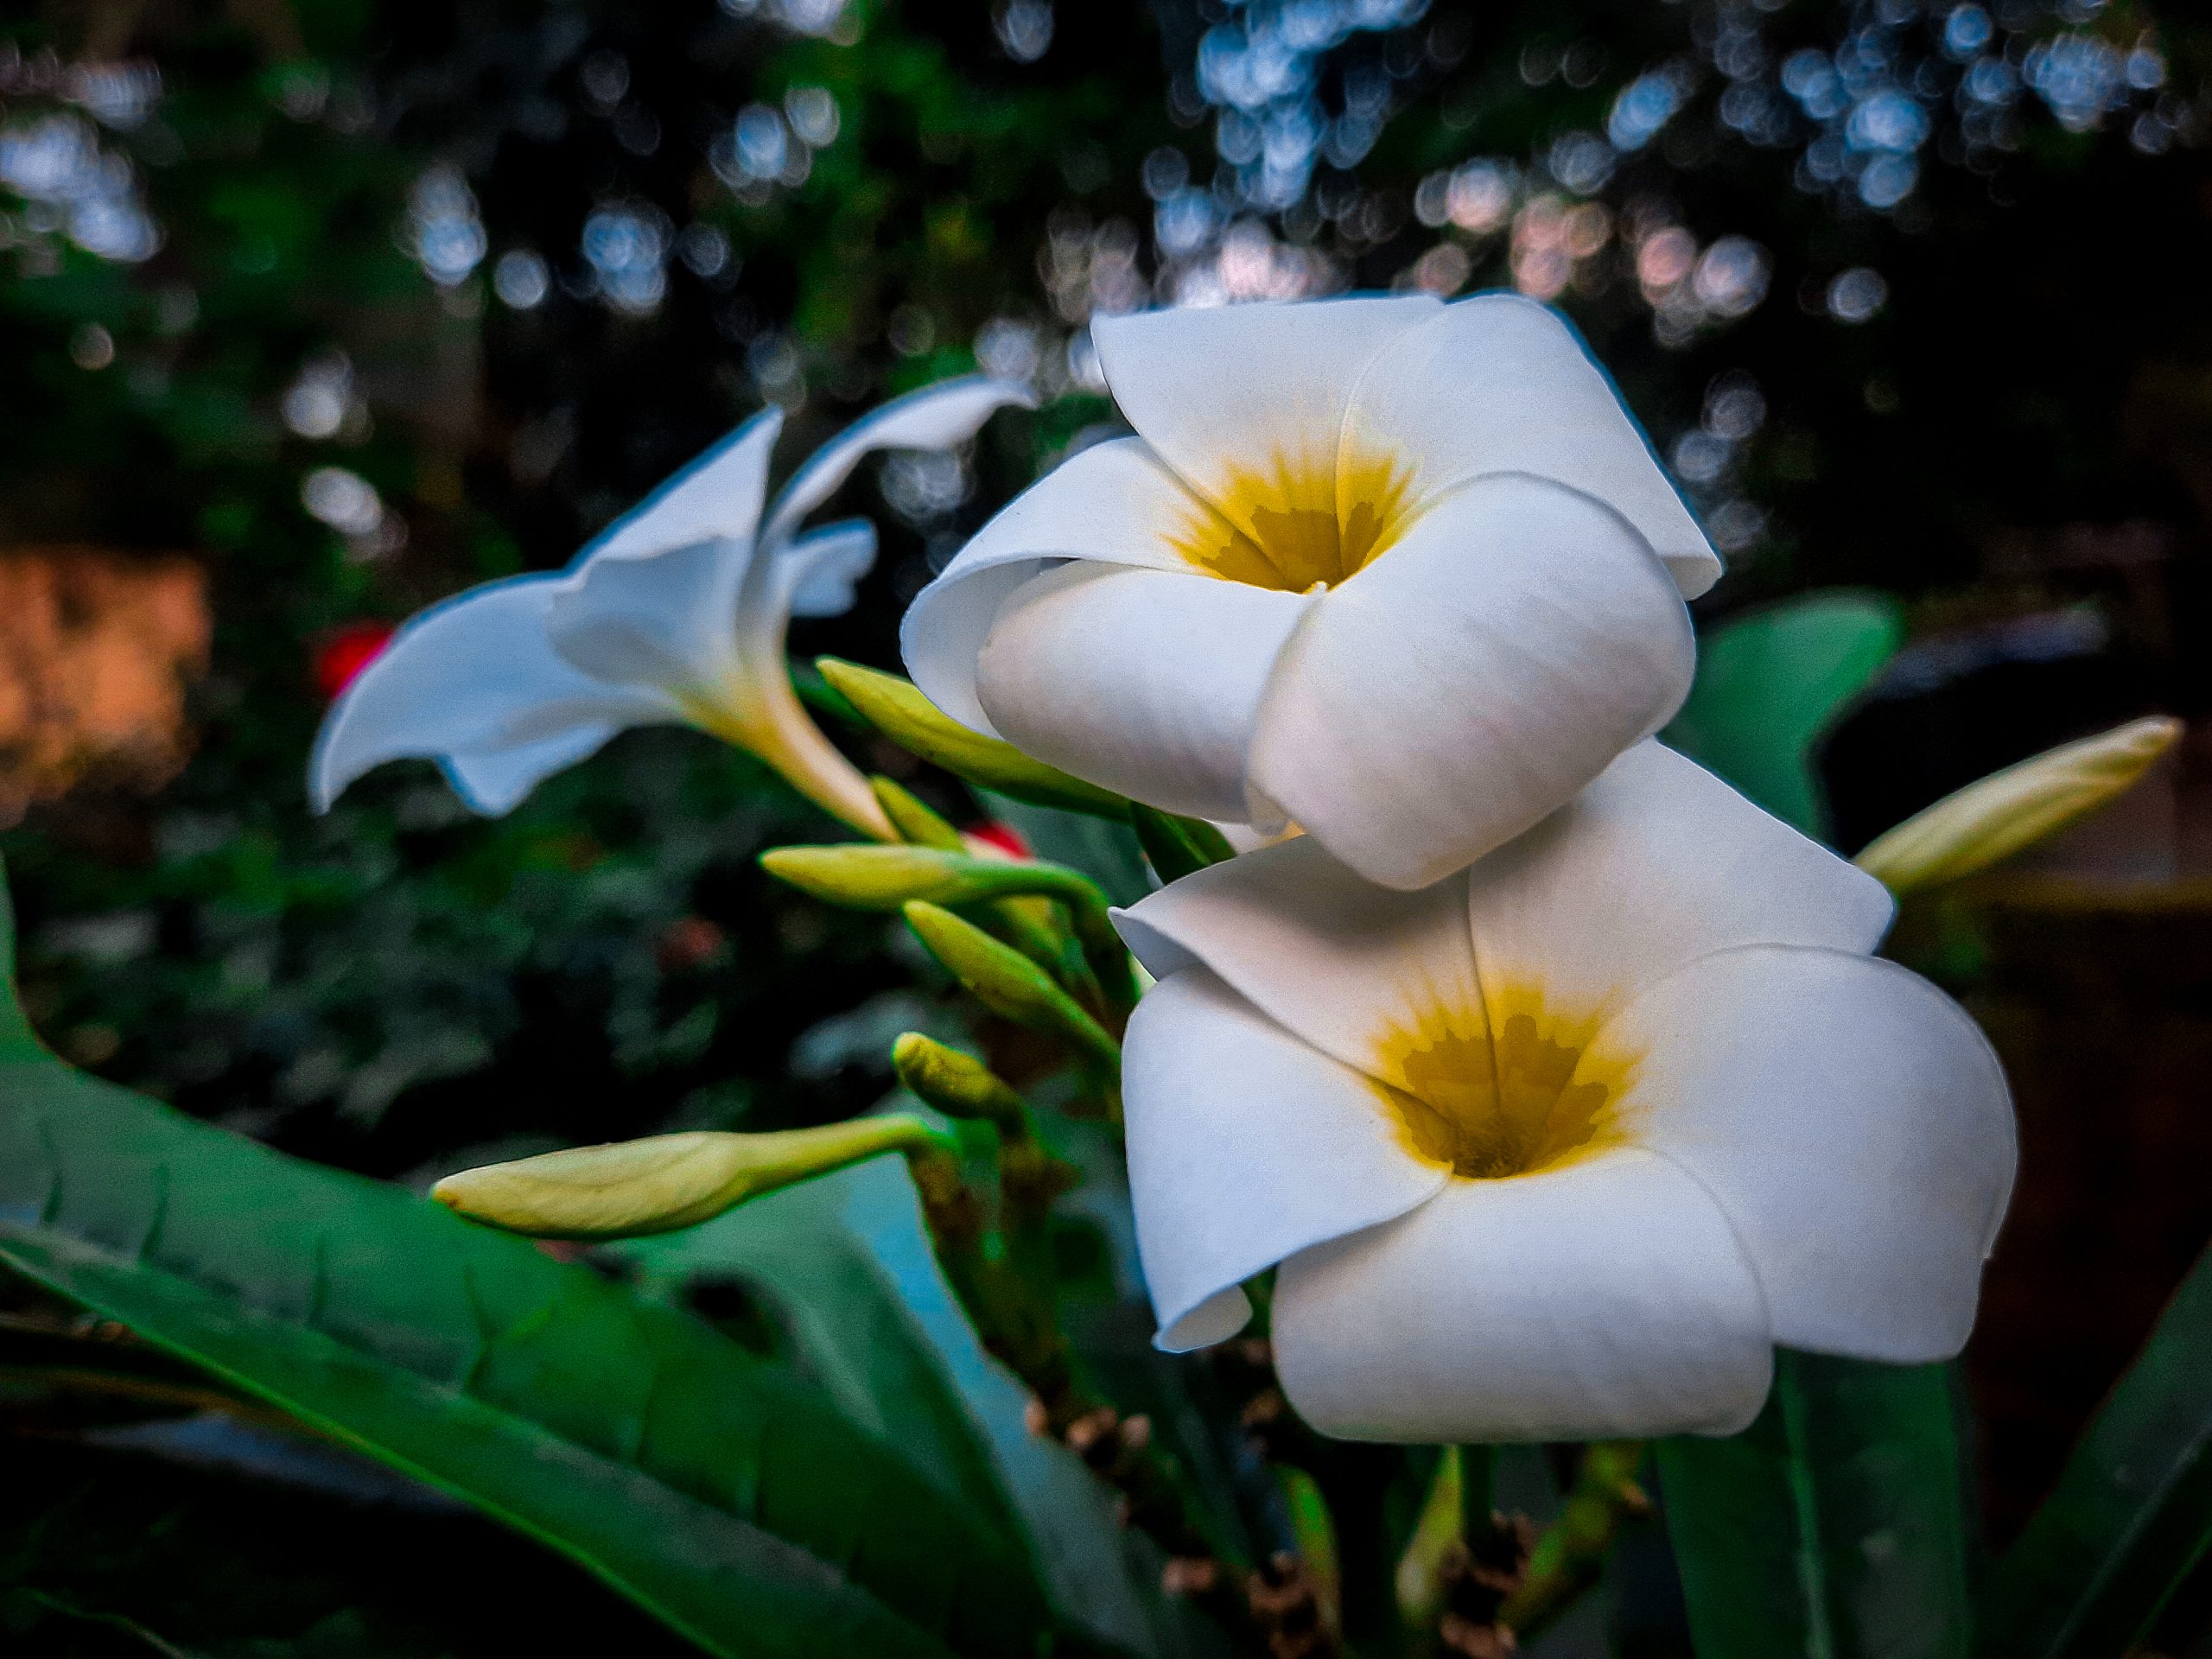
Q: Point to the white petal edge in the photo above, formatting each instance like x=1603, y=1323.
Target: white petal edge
x=1851, y=1122
x=660, y=620
x=1248, y=390
x=1245, y=1145
x=1116, y=503
x=1474, y=677
x=1655, y=865
x=1497, y=383
x=821, y=570
x=936, y=418
x=715, y=498
x=651, y=601
x=1145, y=681
x=1333, y=960
x=1606, y=1299
x=474, y=675
x=494, y=781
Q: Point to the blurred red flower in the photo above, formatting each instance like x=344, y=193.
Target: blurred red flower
x=345, y=651
x=1004, y=836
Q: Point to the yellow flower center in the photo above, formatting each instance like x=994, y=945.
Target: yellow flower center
x=1502, y=1096
x=1290, y=527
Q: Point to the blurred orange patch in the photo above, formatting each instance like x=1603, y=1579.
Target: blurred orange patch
x=96, y=650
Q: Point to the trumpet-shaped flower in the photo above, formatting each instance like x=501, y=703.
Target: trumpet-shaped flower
x=1561, y=1146
x=675, y=614
x=1404, y=573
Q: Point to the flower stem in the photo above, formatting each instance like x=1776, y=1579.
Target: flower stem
x=1568, y=1553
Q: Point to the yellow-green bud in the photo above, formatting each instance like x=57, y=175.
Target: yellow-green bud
x=1008, y=982
x=667, y=1181
x=915, y=820
x=2012, y=810
x=885, y=877
x=957, y=1084
x=902, y=713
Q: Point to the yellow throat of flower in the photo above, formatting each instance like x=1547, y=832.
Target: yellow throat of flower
x=1295, y=527
x=1510, y=1094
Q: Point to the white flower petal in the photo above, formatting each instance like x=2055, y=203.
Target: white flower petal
x=1115, y=502
x=716, y=498
x=936, y=418
x=1514, y=640
x=1145, y=681
x=494, y=781
x=1606, y=1299
x=750, y=702
x=820, y=571
x=652, y=601
x=1657, y=863
x=1248, y=392
x=661, y=620
x=1245, y=1145
x=1851, y=1122
x=1341, y=963
x=1499, y=384
x=474, y=675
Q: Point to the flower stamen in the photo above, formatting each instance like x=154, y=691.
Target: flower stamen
x=1292, y=528
x=1498, y=1099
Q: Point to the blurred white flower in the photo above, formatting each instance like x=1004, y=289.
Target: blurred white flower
x=677, y=614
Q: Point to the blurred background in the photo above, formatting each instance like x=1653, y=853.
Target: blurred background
x=315, y=311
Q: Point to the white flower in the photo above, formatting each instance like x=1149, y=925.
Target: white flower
x=675, y=614
x=1561, y=1147
x=1402, y=573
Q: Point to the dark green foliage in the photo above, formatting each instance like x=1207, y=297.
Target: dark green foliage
x=663, y=1457
x=1834, y=1527
x=1771, y=682
x=2132, y=1514
x=1174, y=845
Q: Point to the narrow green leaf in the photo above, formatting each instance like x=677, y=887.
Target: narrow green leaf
x=2131, y=1513
x=848, y=1262
x=1105, y=850
x=1833, y=1527
x=1771, y=682
x=1176, y=845
x=722, y=1495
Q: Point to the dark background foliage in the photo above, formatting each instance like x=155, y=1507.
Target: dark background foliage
x=358, y=303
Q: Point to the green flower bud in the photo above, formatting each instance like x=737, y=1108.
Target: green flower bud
x=1008, y=983
x=916, y=822
x=957, y=1084
x=668, y=1181
x=902, y=713
x=885, y=877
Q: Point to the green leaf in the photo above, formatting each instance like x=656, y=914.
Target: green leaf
x=1771, y=682
x=2131, y=1513
x=1105, y=850
x=1176, y=845
x=1834, y=1526
x=847, y=1261
x=720, y=1493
